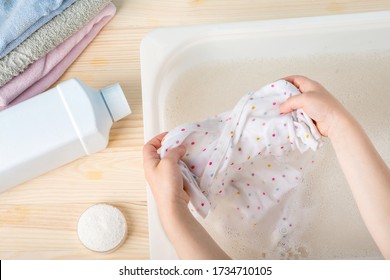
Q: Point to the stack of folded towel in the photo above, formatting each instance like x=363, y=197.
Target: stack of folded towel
x=40, y=39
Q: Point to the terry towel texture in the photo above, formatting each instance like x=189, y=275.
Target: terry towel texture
x=40, y=75
x=249, y=157
x=20, y=18
x=48, y=37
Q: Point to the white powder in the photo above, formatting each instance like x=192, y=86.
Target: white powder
x=102, y=228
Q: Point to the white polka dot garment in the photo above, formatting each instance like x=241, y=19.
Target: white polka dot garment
x=250, y=156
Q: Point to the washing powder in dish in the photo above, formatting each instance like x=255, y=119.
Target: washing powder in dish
x=102, y=228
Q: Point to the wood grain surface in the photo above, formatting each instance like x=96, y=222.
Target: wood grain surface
x=38, y=219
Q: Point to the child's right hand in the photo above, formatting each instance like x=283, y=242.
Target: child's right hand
x=317, y=102
x=363, y=167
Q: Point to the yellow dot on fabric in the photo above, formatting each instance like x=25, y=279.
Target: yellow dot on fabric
x=253, y=107
x=249, y=157
x=288, y=137
x=269, y=165
x=258, y=138
x=238, y=193
x=307, y=136
x=231, y=132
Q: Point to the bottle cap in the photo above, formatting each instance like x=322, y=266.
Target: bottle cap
x=116, y=101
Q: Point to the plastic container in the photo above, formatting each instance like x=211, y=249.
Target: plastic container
x=184, y=68
x=58, y=126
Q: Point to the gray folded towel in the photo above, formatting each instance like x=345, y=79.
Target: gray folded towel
x=48, y=37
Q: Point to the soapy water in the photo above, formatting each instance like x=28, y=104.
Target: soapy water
x=318, y=219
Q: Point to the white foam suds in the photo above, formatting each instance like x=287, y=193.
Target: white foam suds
x=326, y=221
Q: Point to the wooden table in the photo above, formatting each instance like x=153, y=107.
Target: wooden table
x=38, y=219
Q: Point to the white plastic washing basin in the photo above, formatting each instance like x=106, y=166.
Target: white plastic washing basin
x=189, y=73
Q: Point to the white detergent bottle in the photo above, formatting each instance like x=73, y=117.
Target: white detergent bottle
x=58, y=126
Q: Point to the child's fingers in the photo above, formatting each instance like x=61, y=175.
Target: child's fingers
x=291, y=104
x=186, y=196
x=301, y=82
x=175, y=154
x=151, y=157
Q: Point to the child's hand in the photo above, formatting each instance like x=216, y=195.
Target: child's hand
x=365, y=170
x=190, y=239
x=164, y=177
x=317, y=102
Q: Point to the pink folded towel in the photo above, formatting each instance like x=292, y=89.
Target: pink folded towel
x=40, y=75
